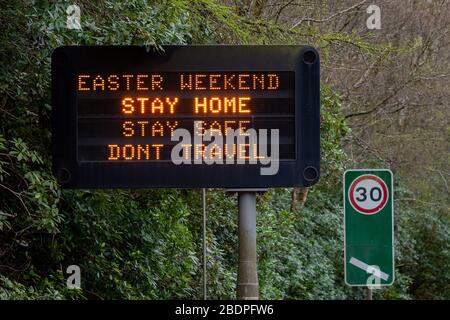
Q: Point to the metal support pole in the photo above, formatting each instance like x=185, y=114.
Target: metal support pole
x=247, y=279
x=369, y=294
x=204, y=241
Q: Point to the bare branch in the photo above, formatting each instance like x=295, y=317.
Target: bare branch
x=330, y=17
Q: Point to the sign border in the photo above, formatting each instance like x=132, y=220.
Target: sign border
x=68, y=61
x=393, y=234
x=376, y=209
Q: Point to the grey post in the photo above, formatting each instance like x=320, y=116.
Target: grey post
x=247, y=279
x=204, y=243
x=369, y=294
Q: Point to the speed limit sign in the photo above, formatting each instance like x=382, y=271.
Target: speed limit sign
x=368, y=194
x=368, y=227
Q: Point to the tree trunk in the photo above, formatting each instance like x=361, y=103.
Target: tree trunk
x=299, y=196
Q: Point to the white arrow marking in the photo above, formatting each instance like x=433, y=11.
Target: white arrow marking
x=369, y=269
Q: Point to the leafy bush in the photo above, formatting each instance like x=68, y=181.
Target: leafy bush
x=146, y=244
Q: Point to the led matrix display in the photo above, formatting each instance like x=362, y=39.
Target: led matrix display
x=132, y=117
x=117, y=111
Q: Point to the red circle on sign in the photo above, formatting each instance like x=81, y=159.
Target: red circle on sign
x=364, y=210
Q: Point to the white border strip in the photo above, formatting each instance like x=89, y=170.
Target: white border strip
x=393, y=235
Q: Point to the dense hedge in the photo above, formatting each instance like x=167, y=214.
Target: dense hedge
x=147, y=243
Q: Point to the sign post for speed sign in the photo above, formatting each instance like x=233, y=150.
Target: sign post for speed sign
x=368, y=220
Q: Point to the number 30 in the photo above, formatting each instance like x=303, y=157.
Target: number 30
x=363, y=194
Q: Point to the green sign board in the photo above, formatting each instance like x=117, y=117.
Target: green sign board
x=369, y=227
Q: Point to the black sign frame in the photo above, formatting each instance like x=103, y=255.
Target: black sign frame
x=68, y=61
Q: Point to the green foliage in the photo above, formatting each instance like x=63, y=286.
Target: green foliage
x=139, y=243
x=147, y=244
x=47, y=289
